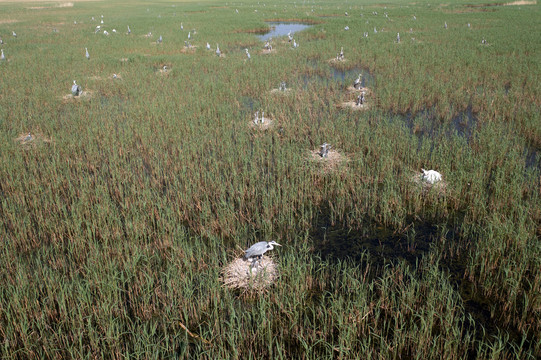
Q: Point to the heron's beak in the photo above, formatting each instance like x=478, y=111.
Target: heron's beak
x=277, y=244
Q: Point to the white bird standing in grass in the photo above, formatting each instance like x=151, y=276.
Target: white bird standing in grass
x=189, y=35
x=2, y=57
x=87, y=54
x=181, y=26
x=160, y=40
x=218, y=50
x=208, y=46
x=397, y=37
x=75, y=89
x=105, y=32
x=129, y=30
x=13, y=33
x=295, y=45
x=357, y=83
x=445, y=25
x=431, y=176
x=247, y=54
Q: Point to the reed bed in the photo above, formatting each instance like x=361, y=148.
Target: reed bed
x=116, y=226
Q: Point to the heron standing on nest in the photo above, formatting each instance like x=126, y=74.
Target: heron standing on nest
x=256, y=251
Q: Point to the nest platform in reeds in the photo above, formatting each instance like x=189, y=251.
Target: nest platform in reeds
x=262, y=126
x=331, y=161
x=440, y=186
x=36, y=140
x=281, y=92
x=83, y=95
x=267, y=51
x=353, y=106
x=239, y=274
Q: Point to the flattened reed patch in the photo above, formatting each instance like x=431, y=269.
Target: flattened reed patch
x=87, y=94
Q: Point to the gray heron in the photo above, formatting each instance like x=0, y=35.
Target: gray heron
x=257, y=250
x=431, y=176
x=445, y=25
x=87, y=54
x=75, y=89
x=324, y=150
x=358, y=82
x=28, y=137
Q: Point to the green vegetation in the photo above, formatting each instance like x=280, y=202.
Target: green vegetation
x=118, y=218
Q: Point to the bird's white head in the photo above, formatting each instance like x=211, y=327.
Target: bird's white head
x=271, y=243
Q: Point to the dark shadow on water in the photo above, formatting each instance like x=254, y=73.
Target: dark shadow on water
x=384, y=244
x=333, y=240
x=282, y=29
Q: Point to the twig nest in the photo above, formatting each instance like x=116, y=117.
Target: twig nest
x=281, y=92
x=190, y=49
x=267, y=51
x=420, y=179
x=337, y=60
x=361, y=89
x=329, y=162
x=83, y=95
x=353, y=106
x=240, y=274
x=31, y=139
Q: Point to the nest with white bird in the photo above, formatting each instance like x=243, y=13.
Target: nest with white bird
x=328, y=157
x=429, y=179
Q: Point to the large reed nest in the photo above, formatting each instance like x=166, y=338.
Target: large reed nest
x=239, y=274
x=440, y=187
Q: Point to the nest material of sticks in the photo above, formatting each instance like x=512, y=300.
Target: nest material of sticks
x=240, y=274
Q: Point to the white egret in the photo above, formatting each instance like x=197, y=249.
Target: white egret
x=105, y=32
x=101, y=22
x=87, y=54
x=75, y=89
x=189, y=35
x=13, y=33
x=114, y=30
x=129, y=30
x=160, y=40
x=445, y=25
x=218, y=50
x=346, y=28
x=397, y=37
x=181, y=26
x=247, y=54
x=431, y=176
x=208, y=46
x=295, y=45
x=2, y=56
x=375, y=31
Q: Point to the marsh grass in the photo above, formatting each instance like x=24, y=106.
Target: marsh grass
x=115, y=233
